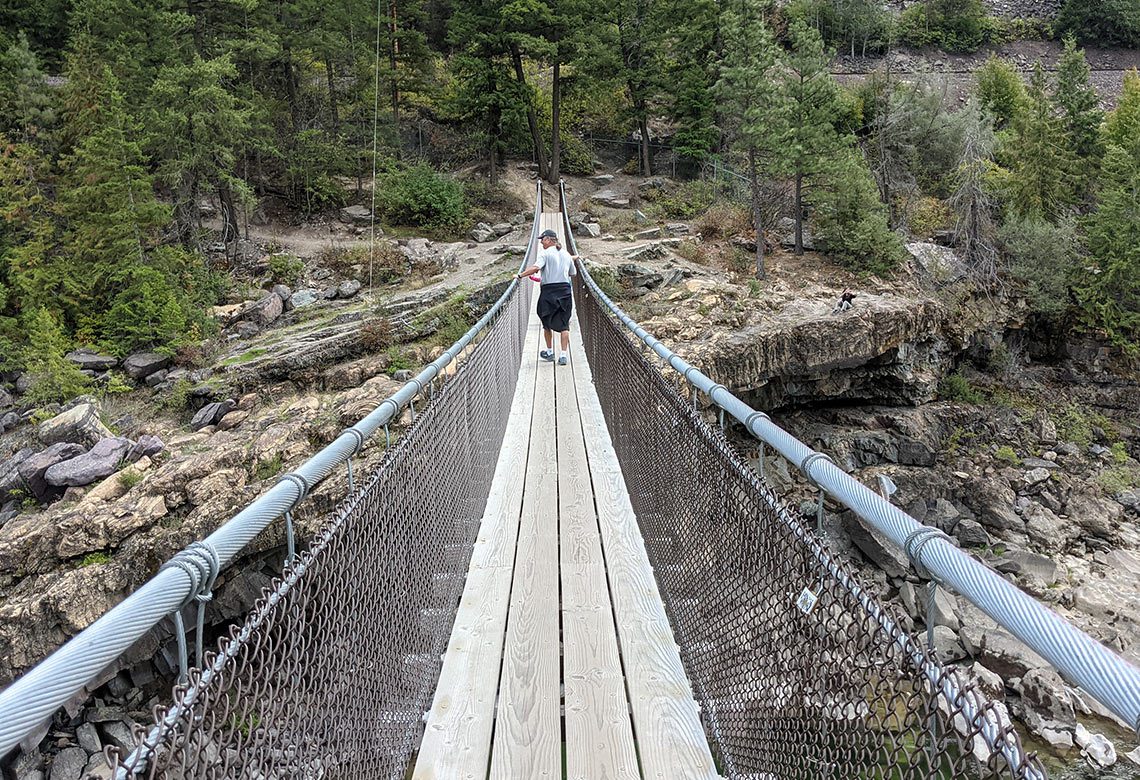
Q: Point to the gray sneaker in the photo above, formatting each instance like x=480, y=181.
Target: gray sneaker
x=563, y=360
x=547, y=354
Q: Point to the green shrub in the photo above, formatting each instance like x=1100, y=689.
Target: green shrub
x=1000, y=90
x=576, y=158
x=1117, y=479
x=95, y=559
x=928, y=216
x=955, y=387
x=1074, y=425
x=266, y=468
x=1119, y=453
x=1103, y=23
x=54, y=378
x=313, y=165
x=1042, y=256
x=398, y=361
x=128, y=478
x=684, y=202
x=285, y=268
x=421, y=197
x=952, y=25
x=1006, y=454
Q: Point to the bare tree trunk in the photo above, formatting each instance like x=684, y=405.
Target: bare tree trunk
x=555, y=124
x=231, y=231
x=493, y=161
x=332, y=93
x=643, y=125
x=531, y=117
x=393, y=57
x=757, y=219
x=799, y=214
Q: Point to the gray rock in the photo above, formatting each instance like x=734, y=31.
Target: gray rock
x=348, y=288
x=611, y=198
x=10, y=479
x=502, y=228
x=33, y=468
x=1036, y=476
x=450, y=255
x=1032, y=564
x=648, y=234
x=142, y=364
x=90, y=360
x=677, y=228
x=946, y=645
x=1045, y=429
x=97, y=768
x=329, y=294
x=1129, y=499
x=68, y=764
x=8, y=421
x=304, y=297
x=602, y=178
x=156, y=379
x=1045, y=529
x=6, y=399
x=267, y=310
x=939, y=263
x=508, y=249
x=118, y=734
x=483, y=233
x=915, y=453
x=210, y=414
x=639, y=276
x=941, y=514
x=652, y=183
x=999, y=651
x=1045, y=691
x=403, y=375
x=146, y=447
x=23, y=383
x=587, y=230
x=944, y=612
x=876, y=546
x=1096, y=748
x=971, y=533
x=1098, y=516
x=644, y=252
x=356, y=215
x=283, y=292
x=640, y=218
x=78, y=425
x=246, y=329
x=100, y=461
x=88, y=737
x=1039, y=463
x=1068, y=449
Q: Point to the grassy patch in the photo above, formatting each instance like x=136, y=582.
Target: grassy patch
x=398, y=361
x=128, y=478
x=95, y=559
x=246, y=357
x=446, y=323
x=265, y=468
x=1006, y=454
x=1117, y=479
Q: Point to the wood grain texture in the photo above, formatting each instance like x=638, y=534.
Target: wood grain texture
x=528, y=739
x=599, y=733
x=670, y=739
x=457, y=738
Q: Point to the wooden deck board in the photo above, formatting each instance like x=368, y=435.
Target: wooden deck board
x=457, y=739
x=670, y=738
x=599, y=735
x=528, y=729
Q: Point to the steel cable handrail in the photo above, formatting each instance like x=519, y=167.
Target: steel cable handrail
x=31, y=699
x=1104, y=674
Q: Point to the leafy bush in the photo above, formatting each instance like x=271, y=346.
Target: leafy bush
x=1000, y=90
x=313, y=166
x=928, y=216
x=952, y=25
x=1074, y=425
x=850, y=222
x=1104, y=23
x=53, y=377
x=724, y=219
x=285, y=268
x=128, y=478
x=1042, y=256
x=861, y=27
x=421, y=197
x=684, y=202
x=955, y=387
x=576, y=158
x=1006, y=454
x=376, y=334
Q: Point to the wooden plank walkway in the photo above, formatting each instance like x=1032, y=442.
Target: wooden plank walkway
x=561, y=663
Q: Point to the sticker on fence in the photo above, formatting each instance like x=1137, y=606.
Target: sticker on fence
x=806, y=601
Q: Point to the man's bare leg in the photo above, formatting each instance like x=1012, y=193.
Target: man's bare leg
x=565, y=338
x=549, y=336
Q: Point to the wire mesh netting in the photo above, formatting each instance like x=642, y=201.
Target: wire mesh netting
x=799, y=672
x=331, y=674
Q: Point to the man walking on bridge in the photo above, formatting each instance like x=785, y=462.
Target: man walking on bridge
x=555, y=299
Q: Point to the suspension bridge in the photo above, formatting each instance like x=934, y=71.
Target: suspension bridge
x=565, y=572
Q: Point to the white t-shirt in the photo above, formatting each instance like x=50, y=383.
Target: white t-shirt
x=556, y=265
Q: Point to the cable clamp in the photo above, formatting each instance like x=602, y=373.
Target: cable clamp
x=810, y=461
x=359, y=439
x=302, y=485
x=914, y=543
x=202, y=564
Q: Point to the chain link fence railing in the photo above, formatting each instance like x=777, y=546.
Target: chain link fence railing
x=333, y=669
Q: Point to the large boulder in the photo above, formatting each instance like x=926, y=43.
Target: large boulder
x=348, y=288
x=1000, y=651
x=8, y=420
x=146, y=447
x=100, y=461
x=210, y=414
x=267, y=310
x=611, y=198
x=876, y=546
x=304, y=297
x=142, y=364
x=1096, y=515
x=10, y=479
x=78, y=425
x=483, y=233
x=588, y=230
x=6, y=399
x=356, y=215
x=34, y=467
x=89, y=360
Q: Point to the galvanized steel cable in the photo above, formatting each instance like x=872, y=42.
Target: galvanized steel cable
x=1104, y=674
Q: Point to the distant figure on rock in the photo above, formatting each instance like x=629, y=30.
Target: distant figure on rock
x=555, y=299
x=844, y=302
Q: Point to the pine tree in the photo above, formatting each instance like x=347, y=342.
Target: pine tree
x=810, y=98
x=749, y=97
x=27, y=104
x=53, y=377
x=1000, y=91
x=1040, y=160
x=1112, y=295
x=1081, y=118
x=108, y=209
x=689, y=67
x=196, y=124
